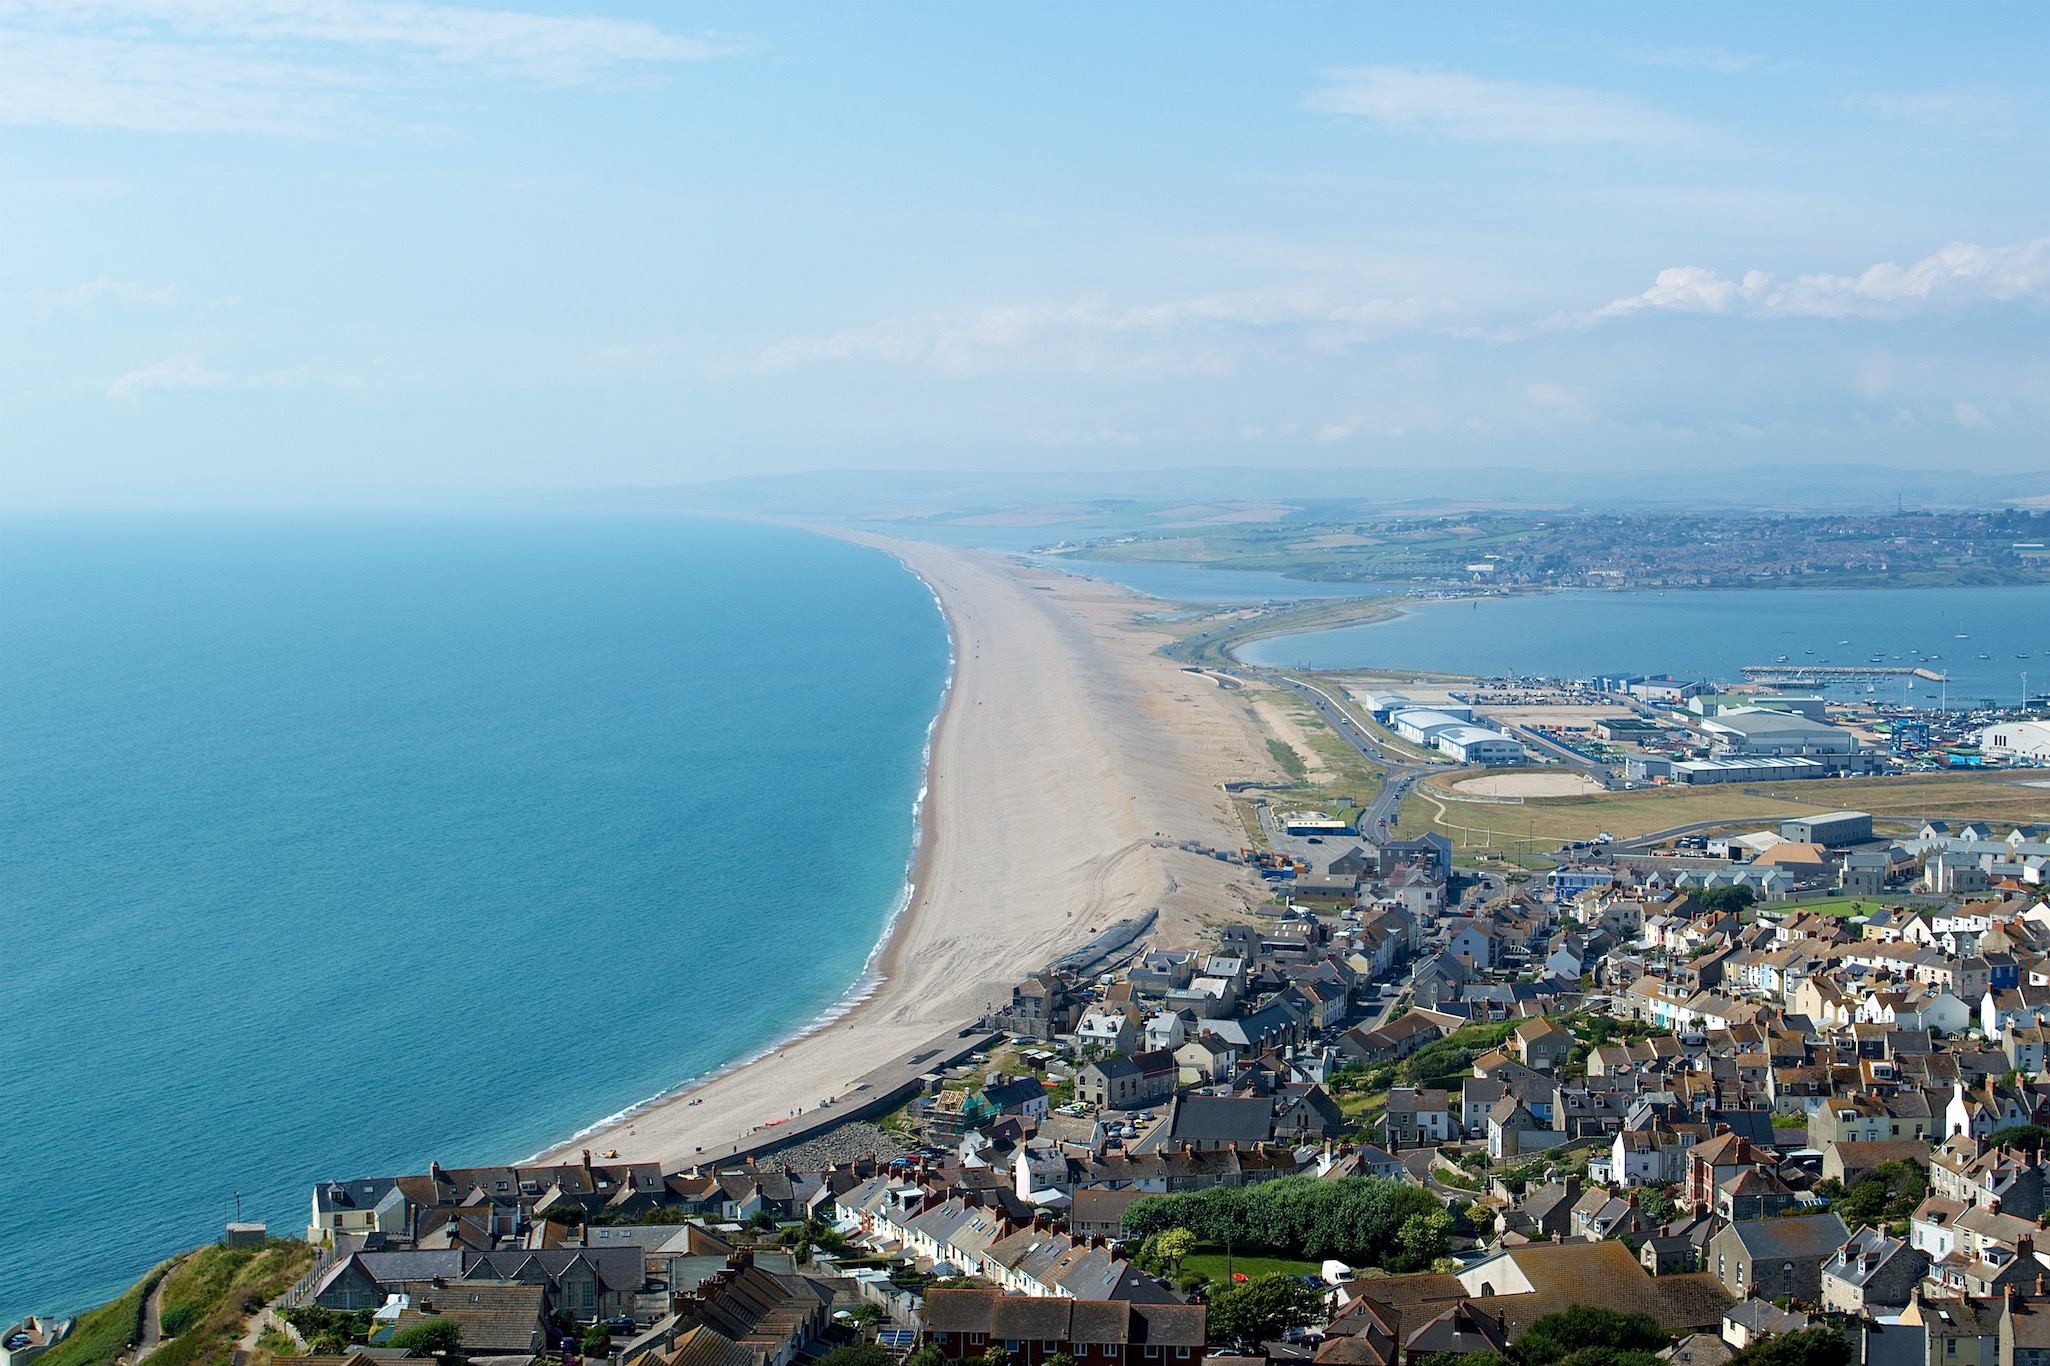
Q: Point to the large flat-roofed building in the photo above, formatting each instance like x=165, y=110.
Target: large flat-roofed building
x=1313, y=823
x=1422, y=725
x=1700, y=772
x=1666, y=688
x=1715, y=704
x=1775, y=733
x=1479, y=745
x=2017, y=741
x=1836, y=828
x=1380, y=704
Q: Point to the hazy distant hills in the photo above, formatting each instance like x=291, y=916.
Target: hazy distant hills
x=1236, y=494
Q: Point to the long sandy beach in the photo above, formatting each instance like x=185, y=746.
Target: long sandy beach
x=1067, y=762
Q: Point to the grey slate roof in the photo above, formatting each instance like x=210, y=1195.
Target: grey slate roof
x=1814, y=1235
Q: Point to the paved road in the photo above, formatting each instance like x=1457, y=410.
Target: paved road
x=1601, y=773
x=152, y=1320
x=1401, y=773
x=876, y=1093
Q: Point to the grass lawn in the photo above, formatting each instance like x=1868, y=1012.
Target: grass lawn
x=1210, y=1261
x=1828, y=906
x=1543, y=822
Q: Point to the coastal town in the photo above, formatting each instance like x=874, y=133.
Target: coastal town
x=1245, y=684
x=1409, y=1112
x=1412, y=1061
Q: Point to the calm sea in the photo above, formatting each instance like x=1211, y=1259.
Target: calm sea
x=331, y=847
x=1711, y=635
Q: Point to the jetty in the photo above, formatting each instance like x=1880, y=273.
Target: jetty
x=1801, y=675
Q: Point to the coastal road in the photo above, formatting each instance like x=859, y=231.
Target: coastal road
x=875, y=1093
x=1400, y=773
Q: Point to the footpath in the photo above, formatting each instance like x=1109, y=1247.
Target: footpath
x=876, y=1093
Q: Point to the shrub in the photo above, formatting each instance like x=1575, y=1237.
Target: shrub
x=860, y=1354
x=433, y=1337
x=1250, y=1314
x=177, y=1318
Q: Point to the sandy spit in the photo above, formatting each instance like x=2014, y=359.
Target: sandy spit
x=1068, y=761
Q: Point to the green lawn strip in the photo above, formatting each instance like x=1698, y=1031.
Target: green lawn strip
x=1210, y=1261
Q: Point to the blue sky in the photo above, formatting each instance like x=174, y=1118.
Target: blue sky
x=388, y=251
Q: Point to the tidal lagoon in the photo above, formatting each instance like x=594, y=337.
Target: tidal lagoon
x=1984, y=639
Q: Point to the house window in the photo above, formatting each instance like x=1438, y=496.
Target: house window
x=1182, y=1352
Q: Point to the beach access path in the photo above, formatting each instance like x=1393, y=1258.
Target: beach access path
x=1069, y=759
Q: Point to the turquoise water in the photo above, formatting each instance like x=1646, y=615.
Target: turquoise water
x=331, y=847
x=1710, y=635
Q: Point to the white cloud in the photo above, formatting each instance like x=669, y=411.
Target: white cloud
x=1475, y=109
x=1958, y=274
x=106, y=289
x=187, y=372
x=285, y=66
x=1091, y=334
x=178, y=372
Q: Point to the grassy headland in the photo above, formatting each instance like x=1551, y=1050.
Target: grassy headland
x=209, y=1297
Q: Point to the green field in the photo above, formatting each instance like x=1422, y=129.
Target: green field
x=1544, y=822
x=1211, y=1262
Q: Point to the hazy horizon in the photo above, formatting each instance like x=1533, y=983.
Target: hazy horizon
x=393, y=253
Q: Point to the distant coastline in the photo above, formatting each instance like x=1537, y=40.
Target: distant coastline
x=1070, y=732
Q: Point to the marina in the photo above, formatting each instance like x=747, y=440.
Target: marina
x=1821, y=675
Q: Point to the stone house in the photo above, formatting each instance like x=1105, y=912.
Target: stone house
x=1776, y=1258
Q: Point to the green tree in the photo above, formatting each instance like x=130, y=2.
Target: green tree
x=996, y=1356
x=177, y=1318
x=927, y=1355
x=1813, y=1347
x=1356, y=1219
x=2028, y=1136
x=1425, y=1237
x=1173, y=1246
x=568, y=1212
x=1060, y=1359
x=431, y=1337
x=1610, y=1356
x=1555, y=1337
x=1262, y=1309
x=1889, y=1191
x=596, y=1341
x=1737, y=897
x=859, y=1354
